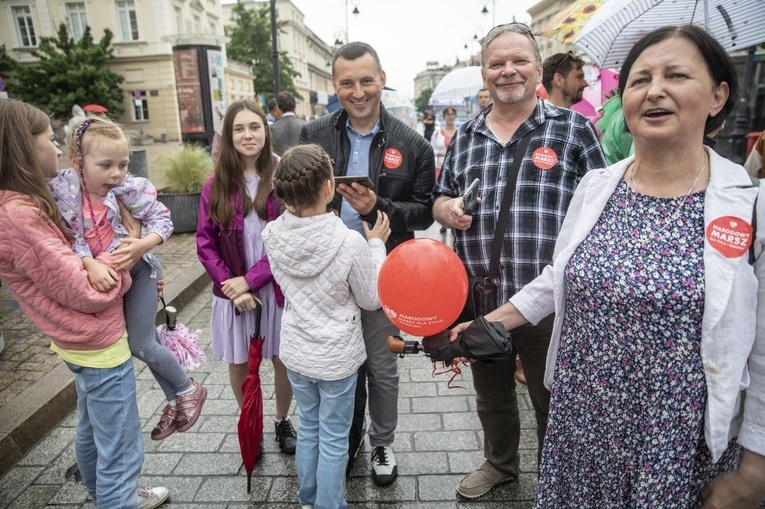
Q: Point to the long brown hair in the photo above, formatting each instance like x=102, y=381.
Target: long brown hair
x=20, y=170
x=228, y=179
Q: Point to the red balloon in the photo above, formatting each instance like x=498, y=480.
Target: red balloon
x=422, y=286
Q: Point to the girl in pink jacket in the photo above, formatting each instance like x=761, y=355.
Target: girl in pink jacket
x=87, y=327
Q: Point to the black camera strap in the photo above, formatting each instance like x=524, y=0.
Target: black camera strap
x=504, y=209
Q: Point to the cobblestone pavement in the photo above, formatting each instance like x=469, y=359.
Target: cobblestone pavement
x=438, y=439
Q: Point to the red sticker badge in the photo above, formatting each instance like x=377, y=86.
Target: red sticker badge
x=544, y=158
x=730, y=235
x=392, y=158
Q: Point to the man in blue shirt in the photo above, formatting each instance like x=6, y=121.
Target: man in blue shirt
x=362, y=138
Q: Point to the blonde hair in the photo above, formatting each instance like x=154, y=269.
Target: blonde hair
x=87, y=131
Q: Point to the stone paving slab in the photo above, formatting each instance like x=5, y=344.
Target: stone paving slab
x=436, y=445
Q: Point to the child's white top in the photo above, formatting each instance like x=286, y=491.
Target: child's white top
x=327, y=272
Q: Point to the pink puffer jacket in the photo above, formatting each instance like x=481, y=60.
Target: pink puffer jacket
x=50, y=283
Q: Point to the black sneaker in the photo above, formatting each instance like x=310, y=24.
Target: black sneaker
x=384, y=469
x=285, y=435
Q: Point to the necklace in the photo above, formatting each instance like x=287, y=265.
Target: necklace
x=650, y=235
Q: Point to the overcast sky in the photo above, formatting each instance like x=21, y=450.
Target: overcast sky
x=409, y=33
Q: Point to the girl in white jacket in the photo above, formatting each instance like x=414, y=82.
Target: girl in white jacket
x=327, y=272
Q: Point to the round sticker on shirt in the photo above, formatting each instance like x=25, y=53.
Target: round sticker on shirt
x=730, y=235
x=392, y=158
x=544, y=158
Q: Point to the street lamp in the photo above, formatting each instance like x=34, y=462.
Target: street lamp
x=355, y=12
x=341, y=36
x=275, y=48
x=485, y=11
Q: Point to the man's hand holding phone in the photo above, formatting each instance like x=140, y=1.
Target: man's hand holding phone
x=470, y=197
x=358, y=193
x=456, y=212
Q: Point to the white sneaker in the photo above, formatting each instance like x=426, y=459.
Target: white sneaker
x=151, y=498
x=384, y=469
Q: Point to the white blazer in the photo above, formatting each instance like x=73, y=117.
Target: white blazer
x=733, y=324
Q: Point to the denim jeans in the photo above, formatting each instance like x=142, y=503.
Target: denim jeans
x=325, y=409
x=108, y=443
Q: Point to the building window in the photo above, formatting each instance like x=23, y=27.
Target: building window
x=197, y=25
x=128, y=20
x=178, y=20
x=25, y=26
x=140, y=106
x=78, y=19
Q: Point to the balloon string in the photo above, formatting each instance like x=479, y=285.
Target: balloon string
x=453, y=368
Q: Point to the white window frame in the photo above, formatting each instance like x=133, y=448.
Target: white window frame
x=178, y=19
x=25, y=26
x=77, y=19
x=140, y=113
x=127, y=17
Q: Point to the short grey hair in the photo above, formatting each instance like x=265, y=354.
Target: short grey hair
x=511, y=28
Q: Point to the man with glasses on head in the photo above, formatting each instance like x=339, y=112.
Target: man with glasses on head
x=562, y=147
x=563, y=78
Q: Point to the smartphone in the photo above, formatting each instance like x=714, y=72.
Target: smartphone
x=349, y=179
x=470, y=195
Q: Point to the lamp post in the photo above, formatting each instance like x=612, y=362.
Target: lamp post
x=274, y=48
x=485, y=10
x=742, y=118
x=355, y=4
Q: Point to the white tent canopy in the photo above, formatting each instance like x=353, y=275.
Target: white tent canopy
x=457, y=87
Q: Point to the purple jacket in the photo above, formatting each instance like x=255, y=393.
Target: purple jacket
x=221, y=251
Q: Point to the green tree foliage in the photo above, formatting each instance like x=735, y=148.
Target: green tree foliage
x=70, y=72
x=251, y=44
x=7, y=63
x=421, y=103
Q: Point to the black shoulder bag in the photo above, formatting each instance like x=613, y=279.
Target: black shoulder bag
x=483, y=290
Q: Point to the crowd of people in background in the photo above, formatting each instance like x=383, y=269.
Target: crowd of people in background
x=631, y=285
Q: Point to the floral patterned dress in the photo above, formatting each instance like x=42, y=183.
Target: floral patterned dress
x=626, y=425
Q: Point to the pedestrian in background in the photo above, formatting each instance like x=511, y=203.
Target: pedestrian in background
x=274, y=113
x=362, y=138
x=328, y=273
x=562, y=147
x=753, y=163
x=86, y=326
x=563, y=78
x=286, y=130
x=89, y=197
x=443, y=136
x=236, y=203
x=429, y=124
x=657, y=359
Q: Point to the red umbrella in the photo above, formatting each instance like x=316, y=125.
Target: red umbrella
x=95, y=108
x=251, y=417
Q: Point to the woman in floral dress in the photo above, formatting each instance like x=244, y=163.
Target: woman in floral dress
x=657, y=360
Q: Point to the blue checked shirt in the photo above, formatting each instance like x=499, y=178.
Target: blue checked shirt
x=543, y=191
